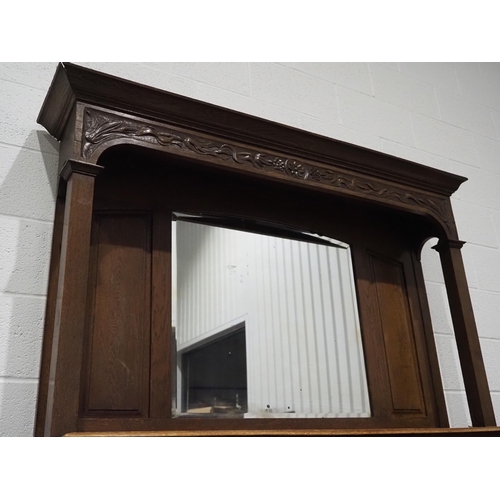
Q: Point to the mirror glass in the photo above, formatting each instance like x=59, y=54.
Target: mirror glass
x=265, y=322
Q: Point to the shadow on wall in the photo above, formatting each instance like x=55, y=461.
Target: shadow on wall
x=27, y=201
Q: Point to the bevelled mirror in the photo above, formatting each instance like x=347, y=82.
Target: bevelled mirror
x=266, y=322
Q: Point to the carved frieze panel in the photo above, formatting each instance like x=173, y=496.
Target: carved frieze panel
x=102, y=127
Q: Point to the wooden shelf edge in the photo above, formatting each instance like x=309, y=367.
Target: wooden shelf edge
x=456, y=432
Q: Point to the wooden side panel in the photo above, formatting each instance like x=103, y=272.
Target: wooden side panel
x=419, y=307
x=398, y=336
x=118, y=354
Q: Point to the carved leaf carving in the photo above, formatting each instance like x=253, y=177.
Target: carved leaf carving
x=104, y=127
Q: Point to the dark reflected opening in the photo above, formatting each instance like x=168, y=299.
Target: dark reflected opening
x=215, y=376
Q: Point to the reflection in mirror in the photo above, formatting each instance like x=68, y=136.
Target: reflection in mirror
x=265, y=322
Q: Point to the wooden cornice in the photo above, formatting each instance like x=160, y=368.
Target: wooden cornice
x=74, y=84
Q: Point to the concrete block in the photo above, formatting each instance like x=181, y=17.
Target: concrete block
x=340, y=133
x=438, y=304
x=470, y=268
x=488, y=153
x=391, y=65
x=403, y=90
x=487, y=264
x=470, y=81
x=9, y=232
x=19, y=108
x=36, y=75
x=491, y=356
x=486, y=306
x=458, y=410
x=24, y=255
x=293, y=90
x=372, y=116
x=28, y=183
x=229, y=76
x=465, y=114
x=355, y=76
x=496, y=222
x=479, y=83
x=21, y=330
x=416, y=155
x=481, y=188
x=444, y=140
x=449, y=363
x=438, y=74
x=474, y=224
x=17, y=407
x=490, y=73
x=496, y=120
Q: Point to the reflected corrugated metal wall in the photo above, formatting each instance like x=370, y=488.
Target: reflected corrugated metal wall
x=297, y=301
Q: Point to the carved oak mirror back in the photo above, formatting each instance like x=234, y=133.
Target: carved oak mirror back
x=215, y=273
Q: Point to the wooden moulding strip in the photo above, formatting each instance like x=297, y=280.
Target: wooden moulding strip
x=468, y=431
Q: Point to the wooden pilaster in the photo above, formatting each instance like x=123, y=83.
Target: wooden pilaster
x=469, y=349
x=62, y=400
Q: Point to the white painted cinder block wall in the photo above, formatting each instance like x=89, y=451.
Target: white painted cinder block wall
x=443, y=115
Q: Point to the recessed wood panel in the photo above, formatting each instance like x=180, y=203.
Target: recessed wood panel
x=118, y=354
x=406, y=388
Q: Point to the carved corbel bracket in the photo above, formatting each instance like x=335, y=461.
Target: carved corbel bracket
x=450, y=243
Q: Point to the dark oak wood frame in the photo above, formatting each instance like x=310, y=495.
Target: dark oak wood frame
x=101, y=121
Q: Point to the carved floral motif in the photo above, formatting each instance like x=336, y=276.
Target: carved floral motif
x=104, y=127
